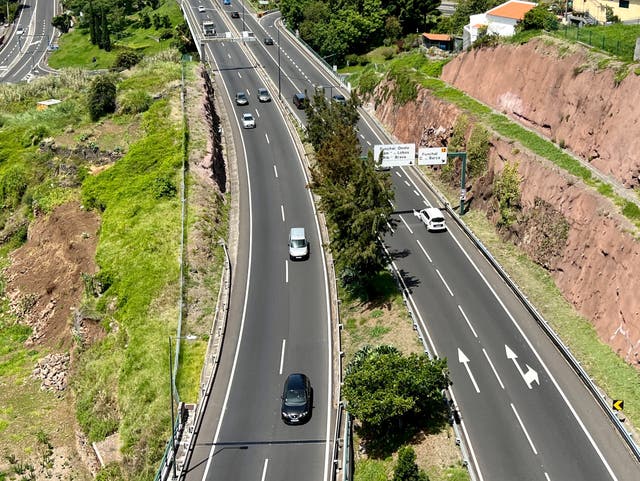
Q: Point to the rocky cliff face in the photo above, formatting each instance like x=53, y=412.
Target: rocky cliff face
x=560, y=91
x=564, y=225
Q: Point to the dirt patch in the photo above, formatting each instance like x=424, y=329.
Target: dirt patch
x=44, y=280
x=44, y=285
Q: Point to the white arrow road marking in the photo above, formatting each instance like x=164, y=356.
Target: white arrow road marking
x=462, y=358
x=530, y=376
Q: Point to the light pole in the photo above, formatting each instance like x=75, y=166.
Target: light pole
x=172, y=387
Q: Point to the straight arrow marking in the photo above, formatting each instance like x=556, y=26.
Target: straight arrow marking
x=463, y=359
x=530, y=376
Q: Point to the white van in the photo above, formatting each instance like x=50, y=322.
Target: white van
x=298, y=244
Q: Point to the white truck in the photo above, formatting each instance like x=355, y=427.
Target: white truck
x=209, y=28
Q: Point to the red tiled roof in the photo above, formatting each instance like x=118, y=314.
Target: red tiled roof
x=513, y=9
x=437, y=37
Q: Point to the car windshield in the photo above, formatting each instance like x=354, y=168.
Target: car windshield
x=295, y=397
x=240, y=96
x=437, y=219
x=297, y=243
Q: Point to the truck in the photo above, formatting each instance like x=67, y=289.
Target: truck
x=208, y=28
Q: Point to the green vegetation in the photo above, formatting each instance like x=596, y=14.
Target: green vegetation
x=506, y=189
x=406, y=467
x=394, y=396
x=353, y=196
x=76, y=49
x=617, y=39
x=117, y=386
x=349, y=28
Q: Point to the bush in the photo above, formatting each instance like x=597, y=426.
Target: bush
x=102, y=97
x=126, y=59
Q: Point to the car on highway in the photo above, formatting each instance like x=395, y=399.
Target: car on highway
x=235, y=14
x=297, y=399
x=263, y=95
x=298, y=244
x=300, y=100
x=201, y=8
x=248, y=122
x=268, y=41
x=339, y=98
x=432, y=218
x=226, y=2
x=241, y=98
x=19, y=30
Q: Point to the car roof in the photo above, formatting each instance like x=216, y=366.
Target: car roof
x=295, y=381
x=297, y=231
x=432, y=211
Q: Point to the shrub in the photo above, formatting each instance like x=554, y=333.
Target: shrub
x=102, y=97
x=126, y=58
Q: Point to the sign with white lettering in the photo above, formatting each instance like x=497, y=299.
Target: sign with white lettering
x=432, y=155
x=394, y=155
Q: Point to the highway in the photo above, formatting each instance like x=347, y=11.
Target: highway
x=23, y=54
x=279, y=316
x=525, y=415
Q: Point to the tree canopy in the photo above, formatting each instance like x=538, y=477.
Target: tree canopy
x=335, y=29
x=392, y=394
x=354, y=197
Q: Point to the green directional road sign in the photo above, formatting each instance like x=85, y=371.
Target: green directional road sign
x=618, y=404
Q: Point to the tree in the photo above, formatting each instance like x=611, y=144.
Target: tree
x=406, y=467
x=394, y=395
x=105, y=40
x=62, y=22
x=464, y=9
x=101, y=97
x=538, y=18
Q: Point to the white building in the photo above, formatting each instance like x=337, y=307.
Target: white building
x=500, y=20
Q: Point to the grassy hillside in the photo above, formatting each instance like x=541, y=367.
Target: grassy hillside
x=119, y=383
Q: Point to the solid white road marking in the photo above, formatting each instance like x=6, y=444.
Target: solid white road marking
x=468, y=321
x=533, y=448
x=405, y=224
x=493, y=368
x=424, y=251
x=282, y=211
x=264, y=469
x=275, y=170
x=444, y=282
x=284, y=343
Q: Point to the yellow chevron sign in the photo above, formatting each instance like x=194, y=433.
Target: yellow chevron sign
x=618, y=404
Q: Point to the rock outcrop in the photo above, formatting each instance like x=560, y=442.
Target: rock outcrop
x=563, y=92
x=564, y=225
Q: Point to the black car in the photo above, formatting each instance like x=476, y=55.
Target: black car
x=297, y=399
x=268, y=41
x=235, y=14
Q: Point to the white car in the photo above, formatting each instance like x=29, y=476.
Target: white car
x=432, y=218
x=19, y=31
x=200, y=8
x=248, y=122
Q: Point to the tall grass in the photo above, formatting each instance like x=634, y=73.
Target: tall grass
x=139, y=245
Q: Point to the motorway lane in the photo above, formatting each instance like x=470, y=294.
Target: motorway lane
x=285, y=319
x=533, y=432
